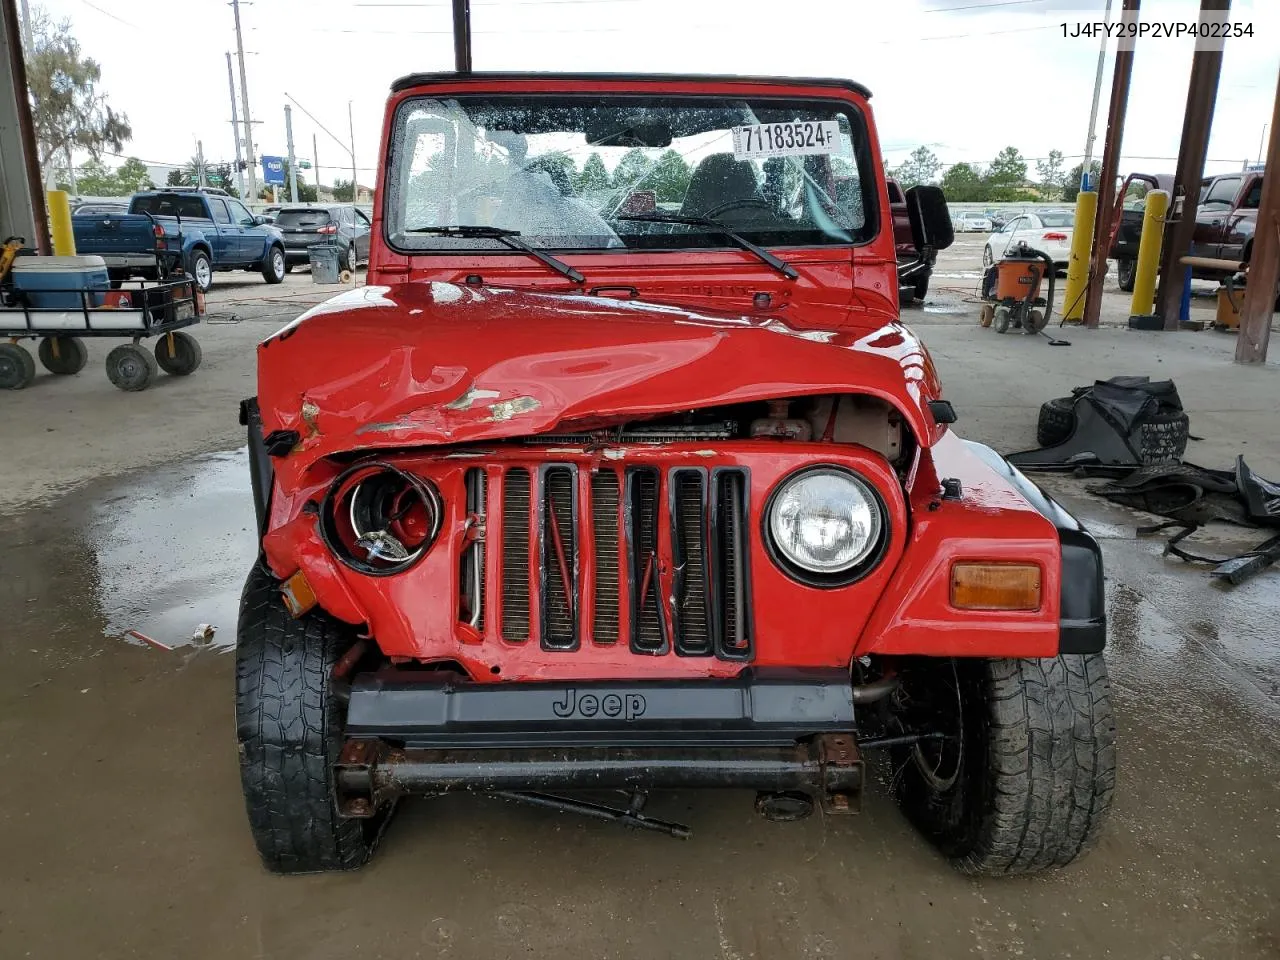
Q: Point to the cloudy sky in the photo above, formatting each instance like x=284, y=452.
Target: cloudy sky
x=965, y=77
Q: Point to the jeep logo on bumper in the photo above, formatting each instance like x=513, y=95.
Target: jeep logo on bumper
x=613, y=706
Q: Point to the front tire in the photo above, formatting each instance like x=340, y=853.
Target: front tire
x=200, y=268
x=273, y=266
x=1028, y=780
x=1126, y=271
x=922, y=287
x=289, y=725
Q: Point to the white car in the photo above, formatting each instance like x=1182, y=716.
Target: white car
x=969, y=221
x=1047, y=230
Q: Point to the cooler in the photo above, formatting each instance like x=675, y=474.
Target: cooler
x=43, y=278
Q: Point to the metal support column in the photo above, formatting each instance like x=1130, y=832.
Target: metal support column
x=1202, y=92
x=1264, y=258
x=250, y=162
x=462, y=35
x=293, y=161
x=235, y=127
x=1110, y=166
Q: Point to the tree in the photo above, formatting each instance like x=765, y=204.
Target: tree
x=132, y=176
x=670, y=177
x=93, y=179
x=68, y=111
x=594, y=178
x=921, y=167
x=963, y=182
x=1071, y=184
x=306, y=191
x=343, y=191
x=1008, y=169
x=632, y=166
x=223, y=176
x=1049, y=170
x=177, y=178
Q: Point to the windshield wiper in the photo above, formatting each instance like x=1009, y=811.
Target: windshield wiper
x=510, y=238
x=784, y=268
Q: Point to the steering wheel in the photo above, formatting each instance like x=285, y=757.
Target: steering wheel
x=739, y=203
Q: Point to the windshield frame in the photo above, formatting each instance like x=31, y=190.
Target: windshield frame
x=861, y=133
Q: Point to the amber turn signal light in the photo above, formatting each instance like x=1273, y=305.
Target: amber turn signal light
x=995, y=586
x=298, y=595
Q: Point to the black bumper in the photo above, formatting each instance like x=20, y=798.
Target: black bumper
x=1083, y=600
x=782, y=730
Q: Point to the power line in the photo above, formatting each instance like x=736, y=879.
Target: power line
x=111, y=15
x=980, y=6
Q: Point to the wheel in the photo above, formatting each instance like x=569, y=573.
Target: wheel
x=200, y=268
x=1034, y=322
x=1057, y=421
x=985, y=315
x=987, y=258
x=349, y=258
x=273, y=266
x=1126, y=270
x=288, y=267
x=922, y=287
x=1162, y=438
x=1025, y=780
x=178, y=353
x=17, y=367
x=69, y=357
x=1001, y=318
x=131, y=367
x=289, y=724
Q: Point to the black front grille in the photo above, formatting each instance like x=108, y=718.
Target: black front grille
x=559, y=559
x=515, y=555
x=669, y=554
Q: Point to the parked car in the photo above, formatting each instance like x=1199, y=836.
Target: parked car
x=969, y=221
x=341, y=224
x=270, y=211
x=1226, y=220
x=99, y=207
x=201, y=231
x=1046, y=230
x=574, y=498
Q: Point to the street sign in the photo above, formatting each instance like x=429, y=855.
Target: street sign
x=304, y=164
x=273, y=170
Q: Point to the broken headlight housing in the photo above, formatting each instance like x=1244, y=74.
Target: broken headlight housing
x=379, y=520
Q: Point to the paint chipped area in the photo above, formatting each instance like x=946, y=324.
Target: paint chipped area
x=309, y=413
x=470, y=397
x=508, y=409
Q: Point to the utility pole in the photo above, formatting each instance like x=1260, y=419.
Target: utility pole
x=315, y=158
x=71, y=173
x=462, y=35
x=1262, y=142
x=26, y=27
x=201, y=178
x=293, y=163
x=1202, y=93
x=244, y=99
x=1093, y=112
x=1264, y=262
x=1110, y=166
x=235, y=126
x=352, y=127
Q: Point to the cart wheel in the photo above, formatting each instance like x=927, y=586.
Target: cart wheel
x=1034, y=322
x=17, y=367
x=185, y=357
x=131, y=367
x=63, y=355
x=986, y=314
x=1001, y=318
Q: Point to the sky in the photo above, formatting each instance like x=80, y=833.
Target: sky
x=963, y=77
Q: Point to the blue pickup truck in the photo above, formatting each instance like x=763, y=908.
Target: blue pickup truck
x=199, y=231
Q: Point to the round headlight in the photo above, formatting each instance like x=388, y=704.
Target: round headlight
x=826, y=521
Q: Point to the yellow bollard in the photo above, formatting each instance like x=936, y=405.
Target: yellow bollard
x=1144, y=280
x=64, y=240
x=1078, y=266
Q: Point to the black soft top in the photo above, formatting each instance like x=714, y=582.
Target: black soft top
x=418, y=79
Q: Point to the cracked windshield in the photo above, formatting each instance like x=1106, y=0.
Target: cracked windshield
x=610, y=173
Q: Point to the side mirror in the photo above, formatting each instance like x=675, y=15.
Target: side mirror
x=931, y=225
x=259, y=221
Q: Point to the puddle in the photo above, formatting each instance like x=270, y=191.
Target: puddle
x=171, y=551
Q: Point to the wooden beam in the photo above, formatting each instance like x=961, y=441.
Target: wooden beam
x=1264, y=259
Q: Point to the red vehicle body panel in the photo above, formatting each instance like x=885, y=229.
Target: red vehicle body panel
x=433, y=372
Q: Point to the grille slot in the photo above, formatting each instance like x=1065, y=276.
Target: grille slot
x=515, y=555
x=647, y=633
x=607, y=595
x=689, y=548
x=471, y=564
x=732, y=584
x=559, y=559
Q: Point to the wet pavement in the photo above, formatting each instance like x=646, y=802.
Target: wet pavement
x=123, y=831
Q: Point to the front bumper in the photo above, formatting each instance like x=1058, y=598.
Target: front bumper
x=770, y=730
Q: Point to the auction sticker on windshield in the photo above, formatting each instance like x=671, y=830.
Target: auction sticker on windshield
x=799, y=138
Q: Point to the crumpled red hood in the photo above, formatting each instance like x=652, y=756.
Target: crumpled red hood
x=430, y=363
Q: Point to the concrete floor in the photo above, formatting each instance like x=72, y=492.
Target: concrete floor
x=123, y=829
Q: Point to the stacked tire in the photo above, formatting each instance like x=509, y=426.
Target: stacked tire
x=1161, y=436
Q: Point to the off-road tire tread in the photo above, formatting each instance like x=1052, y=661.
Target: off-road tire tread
x=1057, y=420
x=289, y=730
x=1051, y=764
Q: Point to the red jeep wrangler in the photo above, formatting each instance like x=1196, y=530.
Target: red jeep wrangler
x=622, y=474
